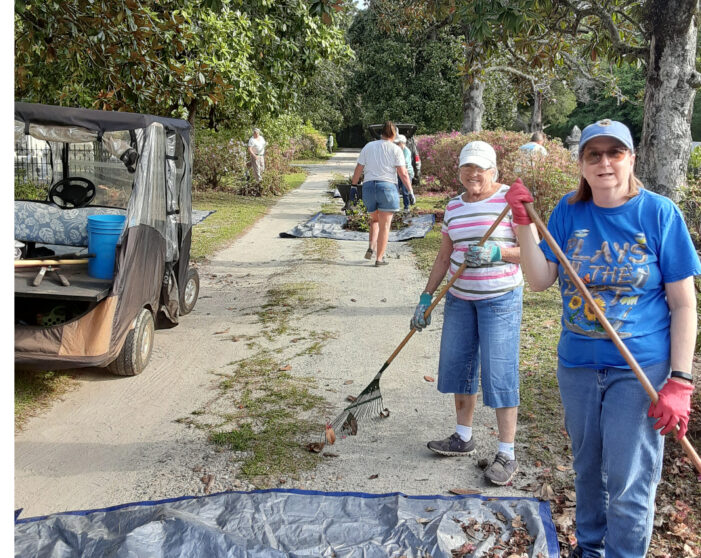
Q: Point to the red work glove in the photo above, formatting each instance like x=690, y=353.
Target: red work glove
x=517, y=195
x=673, y=406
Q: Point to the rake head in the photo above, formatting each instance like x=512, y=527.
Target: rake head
x=367, y=405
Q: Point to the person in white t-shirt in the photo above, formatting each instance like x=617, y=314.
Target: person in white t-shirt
x=380, y=162
x=256, y=151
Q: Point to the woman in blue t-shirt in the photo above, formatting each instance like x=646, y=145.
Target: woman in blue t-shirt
x=632, y=249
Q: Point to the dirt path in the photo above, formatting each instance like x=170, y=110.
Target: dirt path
x=118, y=440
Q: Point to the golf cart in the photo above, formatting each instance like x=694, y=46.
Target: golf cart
x=85, y=296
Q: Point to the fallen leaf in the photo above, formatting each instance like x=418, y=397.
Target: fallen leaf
x=384, y=413
x=285, y=368
x=315, y=447
x=429, y=379
x=464, y=491
x=429, y=509
x=544, y=492
x=351, y=398
x=350, y=425
x=561, y=468
x=371, y=477
x=234, y=339
x=330, y=435
x=422, y=520
x=353, y=300
x=224, y=331
x=347, y=382
x=329, y=454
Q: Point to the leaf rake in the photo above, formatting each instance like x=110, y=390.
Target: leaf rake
x=369, y=403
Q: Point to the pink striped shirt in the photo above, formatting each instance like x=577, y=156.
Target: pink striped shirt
x=465, y=224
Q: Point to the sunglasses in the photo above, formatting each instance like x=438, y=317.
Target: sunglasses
x=614, y=155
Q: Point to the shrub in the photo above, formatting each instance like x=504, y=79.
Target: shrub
x=28, y=190
x=218, y=162
x=548, y=178
x=690, y=204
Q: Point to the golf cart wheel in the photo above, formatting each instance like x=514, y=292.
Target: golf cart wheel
x=136, y=351
x=190, y=292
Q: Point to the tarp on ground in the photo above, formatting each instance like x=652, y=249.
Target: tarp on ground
x=322, y=225
x=294, y=523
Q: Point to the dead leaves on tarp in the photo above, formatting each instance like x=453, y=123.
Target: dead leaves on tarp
x=517, y=546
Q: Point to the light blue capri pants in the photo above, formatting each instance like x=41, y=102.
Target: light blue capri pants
x=482, y=334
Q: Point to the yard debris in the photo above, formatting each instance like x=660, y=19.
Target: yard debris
x=429, y=378
x=483, y=463
x=330, y=434
x=285, y=368
x=464, y=491
x=371, y=477
x=384, y=413
x=207, y=480
x=223, y=331
x=315, y=447
x=351, y=398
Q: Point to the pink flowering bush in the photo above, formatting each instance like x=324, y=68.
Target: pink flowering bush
x=547, y=178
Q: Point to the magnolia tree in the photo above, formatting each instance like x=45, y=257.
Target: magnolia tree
x=586, y=36
x=174, y=57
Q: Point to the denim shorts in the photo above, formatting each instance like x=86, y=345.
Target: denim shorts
x=482, y=334
x=380, y=195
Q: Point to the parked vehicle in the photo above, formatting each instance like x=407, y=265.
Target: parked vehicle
x=131, y=169
x=408, y=130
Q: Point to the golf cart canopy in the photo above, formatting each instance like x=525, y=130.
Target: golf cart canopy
x=406, y=129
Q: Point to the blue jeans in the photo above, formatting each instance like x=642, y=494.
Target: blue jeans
x=482, y=334
x=406, y=201
x=617, y=457
x=380, y=195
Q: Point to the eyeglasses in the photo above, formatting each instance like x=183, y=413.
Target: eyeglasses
x=614, y=155
x=470, y=168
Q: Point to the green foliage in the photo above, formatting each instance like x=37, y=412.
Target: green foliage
x=599, y=103
x=25, y=190
x=173, y=57
x=548, y=178
x=397, y=79
x=219, y=162
x=690, y=204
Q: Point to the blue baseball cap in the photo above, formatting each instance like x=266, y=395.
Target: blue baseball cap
x=607, y=128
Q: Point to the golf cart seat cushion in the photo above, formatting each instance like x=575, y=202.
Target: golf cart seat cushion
x=47, y=223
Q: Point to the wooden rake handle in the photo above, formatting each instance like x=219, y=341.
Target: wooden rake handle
x=629, y=358
x=447, y=286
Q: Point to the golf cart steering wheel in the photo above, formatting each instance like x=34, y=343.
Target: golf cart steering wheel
x=72, y=191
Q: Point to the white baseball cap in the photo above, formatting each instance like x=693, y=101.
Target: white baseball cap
x=401, y=138
x=478, y=153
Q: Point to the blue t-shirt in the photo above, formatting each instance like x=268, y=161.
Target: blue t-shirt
x=624, y=255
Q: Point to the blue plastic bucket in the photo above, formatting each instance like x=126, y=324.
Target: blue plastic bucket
x=103, y=235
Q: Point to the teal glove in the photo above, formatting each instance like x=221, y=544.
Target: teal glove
x=418, y=321
x=477, y=256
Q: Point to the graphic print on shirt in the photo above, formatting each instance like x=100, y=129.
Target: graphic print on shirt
x=613, y=272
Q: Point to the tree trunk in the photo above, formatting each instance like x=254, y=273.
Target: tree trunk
x=192, y=111
x=472, y=106
x=663, y=154
x=536, y=124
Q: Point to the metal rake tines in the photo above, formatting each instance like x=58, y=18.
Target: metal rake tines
x=367, y=405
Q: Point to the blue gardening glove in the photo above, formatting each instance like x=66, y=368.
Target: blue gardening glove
x=477, y=256
x=418, y=322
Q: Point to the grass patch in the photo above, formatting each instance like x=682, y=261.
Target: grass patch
x=35, y=391
x=270, y=424
x=283, y=301
x=233, y=215
x=324, y=249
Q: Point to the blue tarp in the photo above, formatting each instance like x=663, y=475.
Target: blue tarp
x=294, y=523
x=322, y=225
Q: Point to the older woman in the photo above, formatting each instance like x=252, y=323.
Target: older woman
x=633, y=250
x=482, y=316
x=380, y=162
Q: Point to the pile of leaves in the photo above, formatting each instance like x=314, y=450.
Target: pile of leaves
x=359, y=220
x=517, y=545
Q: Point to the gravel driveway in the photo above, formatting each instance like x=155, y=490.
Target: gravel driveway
x=118, y=440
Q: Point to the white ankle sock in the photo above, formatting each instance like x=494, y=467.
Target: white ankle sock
x=465, y=432
x=507, y=448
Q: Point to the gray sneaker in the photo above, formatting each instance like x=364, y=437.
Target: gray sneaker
x=454, y=445
x=502, y=470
